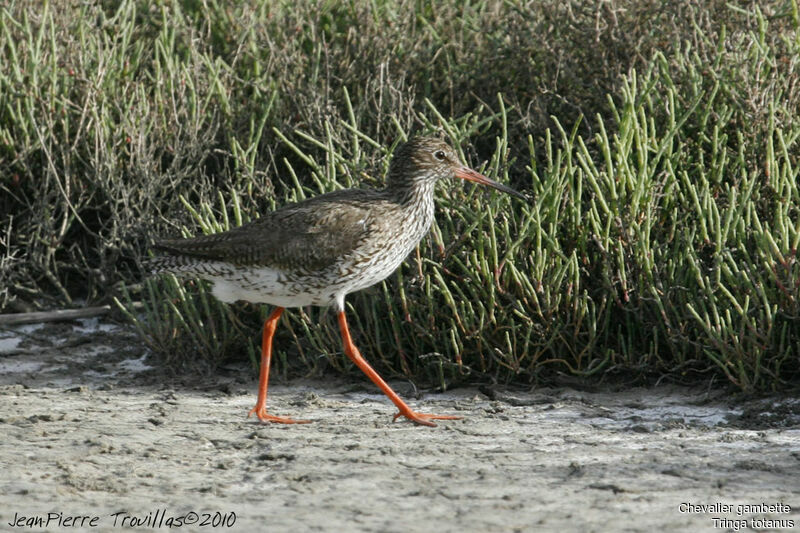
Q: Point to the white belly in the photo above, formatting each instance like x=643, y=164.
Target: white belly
x=263, y=285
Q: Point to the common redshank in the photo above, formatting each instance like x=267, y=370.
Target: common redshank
x=317, y=251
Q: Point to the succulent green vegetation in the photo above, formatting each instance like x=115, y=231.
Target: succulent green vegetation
x=659, y=142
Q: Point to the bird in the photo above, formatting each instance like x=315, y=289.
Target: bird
x=319, y=250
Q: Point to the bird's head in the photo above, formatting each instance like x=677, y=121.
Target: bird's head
x=422, y=161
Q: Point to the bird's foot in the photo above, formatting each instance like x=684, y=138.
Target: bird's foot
x=424, y=419
x=261, y=413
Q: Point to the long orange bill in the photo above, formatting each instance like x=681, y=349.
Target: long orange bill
x=466, y=173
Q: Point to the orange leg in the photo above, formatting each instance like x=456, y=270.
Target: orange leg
x=355, y=356
x=266, y=355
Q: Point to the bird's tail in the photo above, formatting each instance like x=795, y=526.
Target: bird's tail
x=175, y=264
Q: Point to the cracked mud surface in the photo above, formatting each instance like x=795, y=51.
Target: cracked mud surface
x=89, y=429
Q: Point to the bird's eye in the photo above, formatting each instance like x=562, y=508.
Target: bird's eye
x=439, y=154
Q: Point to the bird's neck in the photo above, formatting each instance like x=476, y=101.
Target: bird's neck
x=415, y=197
x=414, y=193
x=411, y=189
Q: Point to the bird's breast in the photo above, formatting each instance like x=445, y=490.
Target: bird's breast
x=395, y=237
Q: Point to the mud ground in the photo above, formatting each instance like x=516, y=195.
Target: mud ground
x=101, y=440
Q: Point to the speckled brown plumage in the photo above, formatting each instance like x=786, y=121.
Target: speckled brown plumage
x=317, y=251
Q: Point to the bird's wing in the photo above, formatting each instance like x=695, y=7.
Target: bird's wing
x=310, y=235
